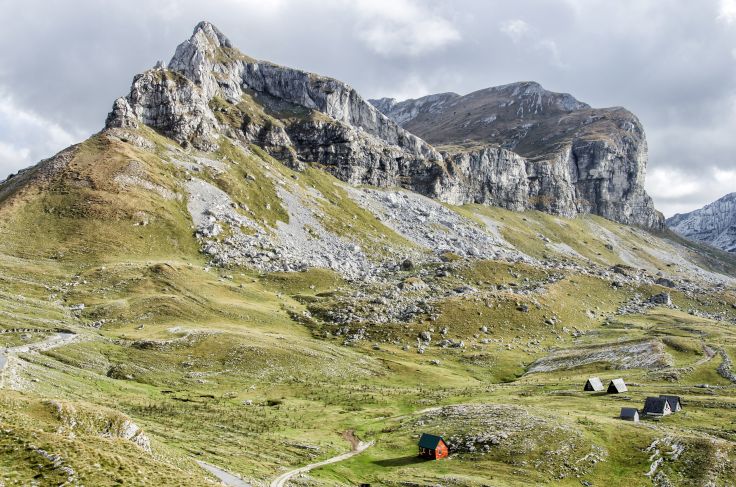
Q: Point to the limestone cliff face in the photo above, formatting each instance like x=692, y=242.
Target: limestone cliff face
x=608, y=179
x=490, y=176
x=518, y=147
x=170, y=103
x=499, y=177
x=714, y=224
x=575, y=159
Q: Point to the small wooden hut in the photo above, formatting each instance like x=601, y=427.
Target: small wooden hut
x=630, y=414
x=657, y=406
x=617, y=386
x=431, y=446
x=593, y=384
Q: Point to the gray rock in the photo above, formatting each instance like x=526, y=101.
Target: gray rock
x=661, y=298
x=663, y=281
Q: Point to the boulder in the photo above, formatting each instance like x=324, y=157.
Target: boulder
x=661, y=299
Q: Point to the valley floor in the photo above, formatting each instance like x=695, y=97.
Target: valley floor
x=225, y=375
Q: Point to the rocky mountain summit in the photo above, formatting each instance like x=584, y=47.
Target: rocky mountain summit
x=530, y=149
x=568, y=158
x=210, y=88
x=714, y=224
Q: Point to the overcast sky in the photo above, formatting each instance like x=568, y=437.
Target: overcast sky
x=671, y=62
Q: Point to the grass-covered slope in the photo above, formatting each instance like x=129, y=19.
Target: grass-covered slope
x=436, y=326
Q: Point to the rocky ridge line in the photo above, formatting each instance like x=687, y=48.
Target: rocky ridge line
x=210, y=89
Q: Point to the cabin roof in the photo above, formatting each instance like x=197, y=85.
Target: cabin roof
x=629, y=412
x=429, y=441
x=619, y=385
x=656, y=405
x=672, y=400
x=596, y=383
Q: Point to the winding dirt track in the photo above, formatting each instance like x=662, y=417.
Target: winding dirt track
x=53, y=341
x=225, y=477
x=281, y=480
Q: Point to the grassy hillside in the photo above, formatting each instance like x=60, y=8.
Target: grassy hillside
x=256, y=370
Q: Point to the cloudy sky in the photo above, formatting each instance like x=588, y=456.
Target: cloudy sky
x=672, y=62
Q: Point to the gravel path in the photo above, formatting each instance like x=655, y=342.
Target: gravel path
x=708, y=354
x=225, y=477
x=282, y=479
x=53, y=341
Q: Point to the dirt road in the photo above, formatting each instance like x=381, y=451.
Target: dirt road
x=225, y=477
x=282, y=479
x=56, y=340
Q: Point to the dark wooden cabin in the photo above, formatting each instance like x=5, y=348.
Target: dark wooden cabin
x=657, y=406
x=431, y=446
x=673, y=401
x=630, y=414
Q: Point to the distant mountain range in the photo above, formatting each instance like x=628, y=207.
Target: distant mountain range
x=714, y=224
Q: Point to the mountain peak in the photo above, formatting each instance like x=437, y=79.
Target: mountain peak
x=536, y=93
x=549, y=131
x=197, y=57
x=202, y=47
x=211, y=33
x=714, y=224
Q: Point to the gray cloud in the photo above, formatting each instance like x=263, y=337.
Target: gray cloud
x=669, y=61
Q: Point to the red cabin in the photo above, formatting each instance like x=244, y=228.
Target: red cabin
x=433, y=447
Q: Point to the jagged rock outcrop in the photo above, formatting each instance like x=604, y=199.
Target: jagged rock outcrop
x=170, y=103
x=577, y=159
x=517, y=146
x=490, y=175
x=714, y=224
x=356, y=142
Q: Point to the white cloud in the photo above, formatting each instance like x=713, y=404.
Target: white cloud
x=13, y=157
x=727, y=11
x=17, y=118
x=667, y=183
x=676, y=191
x=725, y=180
x=549, y=47
x=516, y=29
x=259, y=8
x=402, y=28
x=26, y=137
x=523, y=34
x=413, y=86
